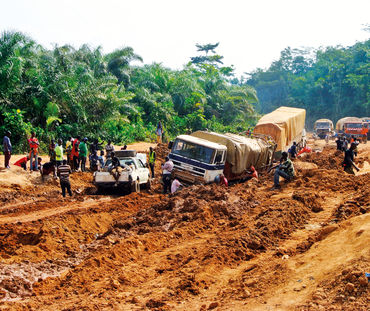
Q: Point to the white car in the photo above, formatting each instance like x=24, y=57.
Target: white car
x=134, y=173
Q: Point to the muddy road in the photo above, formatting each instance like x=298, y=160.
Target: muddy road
x=305, y=247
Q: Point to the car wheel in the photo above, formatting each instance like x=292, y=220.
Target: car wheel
x=148, y=184
x=135, y=186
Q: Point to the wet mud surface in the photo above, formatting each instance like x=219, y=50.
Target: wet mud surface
x=203, y=248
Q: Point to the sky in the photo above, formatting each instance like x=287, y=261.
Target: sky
x=251, y=33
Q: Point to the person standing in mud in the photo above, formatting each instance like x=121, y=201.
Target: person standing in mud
x=69, y=151
x=159, y=132
x=344, y=144
x=7, y=149
x=285, y=169
x=83, y=154
x=34, y=152
x=59, y=153
x=293, y=150
x=339, y=143
x=348, y=163
x=63, y=172
x=152, y=157
x=75, y=154
x=167, y=168
x=52, y=154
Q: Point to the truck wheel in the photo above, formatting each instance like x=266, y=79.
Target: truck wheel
x=135, y=186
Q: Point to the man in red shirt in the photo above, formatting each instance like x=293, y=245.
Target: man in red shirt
x=22, y=163
x=75, y=153
x=34, y=152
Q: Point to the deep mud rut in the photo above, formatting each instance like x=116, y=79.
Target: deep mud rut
x=305, y=247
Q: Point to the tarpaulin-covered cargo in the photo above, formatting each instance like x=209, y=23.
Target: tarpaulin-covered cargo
x=242, y=152
x=341, y=122
x=323, y=123
x=283, y=124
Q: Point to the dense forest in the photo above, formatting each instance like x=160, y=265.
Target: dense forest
x=68, y=92
x=64, y=91
x=329, y=83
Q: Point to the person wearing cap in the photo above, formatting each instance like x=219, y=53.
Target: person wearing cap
x=285, y=169
x=7, y=148
x=59, y=153
x=221, y=180
x=83, y=154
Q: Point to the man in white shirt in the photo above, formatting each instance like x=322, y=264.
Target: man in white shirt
x=175, y=186
x=167, y=168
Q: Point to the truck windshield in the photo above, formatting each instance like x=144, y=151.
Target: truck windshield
x=322, y=125
x=193, y=151
x=354, y=125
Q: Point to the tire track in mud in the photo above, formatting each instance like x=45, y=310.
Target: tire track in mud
x=49, y=212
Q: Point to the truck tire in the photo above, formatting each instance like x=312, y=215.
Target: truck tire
x=135, y=186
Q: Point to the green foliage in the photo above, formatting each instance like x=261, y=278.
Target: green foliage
x=331, y=83
x=13, y=121
x=66, y=92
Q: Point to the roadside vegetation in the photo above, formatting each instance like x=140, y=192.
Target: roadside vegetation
x=65, y=91
x=331, y=83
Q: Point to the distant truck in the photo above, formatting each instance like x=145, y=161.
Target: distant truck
x=323, y=127
x=350, y=126
x=134, y=175
x=366, y=126
x=201, y=156
x=285, y=125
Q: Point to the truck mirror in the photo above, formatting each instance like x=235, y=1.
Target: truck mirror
x=170, y=144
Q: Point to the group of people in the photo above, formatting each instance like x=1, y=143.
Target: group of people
x=285, y=168
x=63, y=160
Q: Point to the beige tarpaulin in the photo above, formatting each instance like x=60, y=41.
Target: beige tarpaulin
x=323, y=121
x=340, y=122
x=242, y=152
x=284, y=125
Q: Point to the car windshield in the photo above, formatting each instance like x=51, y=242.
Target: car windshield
x=322, y=125
x=122, y=162
x=193, y=151
x=354, y=125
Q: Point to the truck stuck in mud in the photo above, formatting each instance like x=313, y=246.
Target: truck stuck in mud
x=201, y=156
x=284, y=125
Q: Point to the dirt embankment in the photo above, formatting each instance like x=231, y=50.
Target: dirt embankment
x=206, y=247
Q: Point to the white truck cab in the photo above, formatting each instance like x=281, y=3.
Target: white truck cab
x=197, y=160
x=134, y=172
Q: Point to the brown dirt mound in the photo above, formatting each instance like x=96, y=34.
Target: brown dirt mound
x=348, y=289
